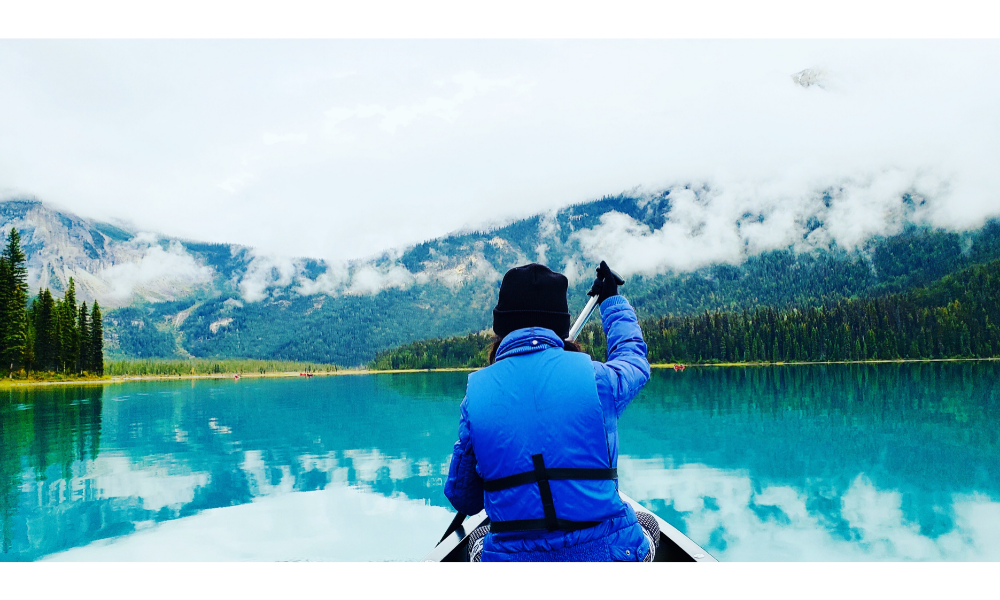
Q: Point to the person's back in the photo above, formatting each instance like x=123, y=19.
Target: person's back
x=538, y=443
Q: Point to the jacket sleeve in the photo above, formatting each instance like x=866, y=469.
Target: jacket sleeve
x=464, y=487
x=627, y=370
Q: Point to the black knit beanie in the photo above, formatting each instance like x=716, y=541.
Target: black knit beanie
x=532, y=296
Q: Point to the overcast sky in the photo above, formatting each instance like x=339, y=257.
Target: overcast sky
x=339, y=149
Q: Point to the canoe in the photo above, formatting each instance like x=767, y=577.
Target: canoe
x=674, y=545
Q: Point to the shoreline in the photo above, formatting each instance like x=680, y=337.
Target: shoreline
x=116, y=379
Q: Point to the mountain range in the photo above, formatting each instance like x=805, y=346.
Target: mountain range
x=172, y=297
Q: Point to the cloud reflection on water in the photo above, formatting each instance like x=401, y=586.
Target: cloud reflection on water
x=339, y=523
x=736, y=518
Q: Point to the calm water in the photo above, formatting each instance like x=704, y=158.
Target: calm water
x=893, y=462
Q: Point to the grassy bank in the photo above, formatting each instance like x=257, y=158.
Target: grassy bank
x=48, y=378
x=209, y=366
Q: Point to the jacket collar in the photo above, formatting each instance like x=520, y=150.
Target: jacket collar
x=529, y=339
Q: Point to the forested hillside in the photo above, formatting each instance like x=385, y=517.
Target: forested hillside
x=181, y=299
x=911, y=259
x=347, y=331
x=466, y=351
x=352, y=329
x=957, y=316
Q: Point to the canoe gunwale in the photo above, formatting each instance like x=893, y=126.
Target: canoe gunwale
x=456, y=541
x=674, y=545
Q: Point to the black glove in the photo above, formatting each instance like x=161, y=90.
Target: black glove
x=606, y=284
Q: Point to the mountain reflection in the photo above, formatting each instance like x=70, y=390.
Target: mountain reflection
x=173, y=449
x=769, y=463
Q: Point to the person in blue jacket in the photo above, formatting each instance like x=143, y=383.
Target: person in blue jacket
x=538, y=436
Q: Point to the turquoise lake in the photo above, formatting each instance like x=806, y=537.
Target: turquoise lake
x=818, y=462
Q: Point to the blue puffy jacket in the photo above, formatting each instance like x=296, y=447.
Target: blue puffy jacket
x=538, y=446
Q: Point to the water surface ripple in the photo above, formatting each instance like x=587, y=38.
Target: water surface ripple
x=837, y=462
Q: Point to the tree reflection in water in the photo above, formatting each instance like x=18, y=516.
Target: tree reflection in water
x=866, y=462
x=799, y=462
x=48, y=435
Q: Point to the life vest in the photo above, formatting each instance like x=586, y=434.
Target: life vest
x=540, y=443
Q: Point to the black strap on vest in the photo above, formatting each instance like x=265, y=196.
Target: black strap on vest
x=542, y=476
x=495, y=485
x=551, y=522
x=539, y=525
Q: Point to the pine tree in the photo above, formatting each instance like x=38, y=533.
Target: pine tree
x=70, y=336
x=6, y=293
x=14, y=298
x=46, y=331
x=29, y=361
x=83, y=351
x=96, y=365
x=33, y=311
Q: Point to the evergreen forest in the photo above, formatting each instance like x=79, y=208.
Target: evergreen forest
x=957, y=316
x=53, y=335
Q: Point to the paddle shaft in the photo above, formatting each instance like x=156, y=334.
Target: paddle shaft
x=582, y=319
x=588, y=310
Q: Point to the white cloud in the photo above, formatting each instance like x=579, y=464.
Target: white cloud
x=369, y=279
x=548, y=224
x=470, y=86
x=329, y=282
x=433, y=136
x=156, y=273
x=237, y=182
x=687, y=241
x=265, y=273
x=573, y=271
x=726, y=221
x=375, y=275
x=540, y=250
x=270, y=139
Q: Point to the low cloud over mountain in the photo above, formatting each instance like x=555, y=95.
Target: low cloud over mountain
x=107, y=262
x=178, y=297
x=679, y=229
